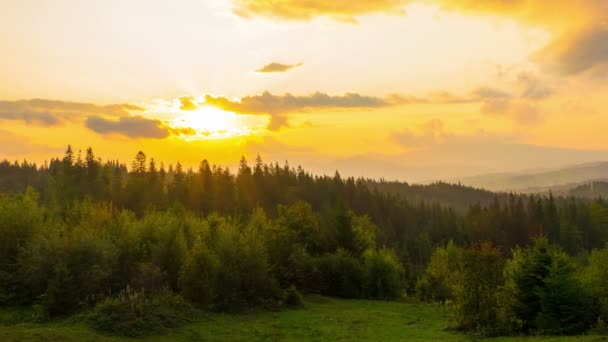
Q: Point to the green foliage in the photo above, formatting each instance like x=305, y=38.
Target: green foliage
x=198, y=280
x=20, y=220
x=135, y=313
x=236, y=241
x=244, y=276
x=475, y=302
x=293, y=298
x=385, y=276
x=542, y=292
x=343, y=275
x=439, y=279
x=595, y=278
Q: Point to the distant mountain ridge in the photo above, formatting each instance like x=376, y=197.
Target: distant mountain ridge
x=558, y=180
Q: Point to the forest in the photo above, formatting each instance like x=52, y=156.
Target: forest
x=143, y=246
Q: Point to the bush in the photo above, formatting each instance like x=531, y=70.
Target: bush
x=343, y=275
x=475, y=301
x=243, y=278
x=293, y=298
x=542, y=293
x=438, y=281
x=385, y=276
x=595, y=278
x=133, y=313
x=198, y=279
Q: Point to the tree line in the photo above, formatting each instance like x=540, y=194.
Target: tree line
x=78, y=231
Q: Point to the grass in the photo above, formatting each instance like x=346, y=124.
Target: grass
x=323, y=319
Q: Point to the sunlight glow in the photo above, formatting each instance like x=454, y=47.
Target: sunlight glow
x=213, y=123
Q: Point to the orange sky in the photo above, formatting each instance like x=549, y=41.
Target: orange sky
x=414, y=90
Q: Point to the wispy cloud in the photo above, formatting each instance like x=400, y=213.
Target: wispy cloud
x=275, y=67
x=12, y=144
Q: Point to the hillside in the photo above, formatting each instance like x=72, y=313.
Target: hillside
x=558, y=179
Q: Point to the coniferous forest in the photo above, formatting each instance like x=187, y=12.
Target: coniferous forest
x=145, y=245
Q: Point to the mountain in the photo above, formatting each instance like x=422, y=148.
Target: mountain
x=557, y=180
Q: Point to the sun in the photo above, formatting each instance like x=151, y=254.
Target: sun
x=211, y=123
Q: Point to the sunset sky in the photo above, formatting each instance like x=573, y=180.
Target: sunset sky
x=415, y=90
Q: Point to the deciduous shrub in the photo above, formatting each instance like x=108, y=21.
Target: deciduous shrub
x=475, y=301
x=384, y=275
x=135, y=313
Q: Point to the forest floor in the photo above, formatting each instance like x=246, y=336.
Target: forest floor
x=322, y=319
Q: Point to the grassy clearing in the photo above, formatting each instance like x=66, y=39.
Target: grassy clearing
x=323, y=319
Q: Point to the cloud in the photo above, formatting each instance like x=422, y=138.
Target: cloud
x=531, y=87
x=277, y=106
x=132, y=127
x=582, y=41
x=51, y=112
x=277, y=67
x=187, y=103
x=491, y=93
x=584, y=34
x=576, y=52
x=15, y=145
x=341, y=10
x=521, y=112
x=431, y=133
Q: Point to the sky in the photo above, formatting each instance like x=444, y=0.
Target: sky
x=400, y=89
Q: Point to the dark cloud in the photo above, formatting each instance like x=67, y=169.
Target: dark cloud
x=51, y=112
x=277, y=67
x=132, y=127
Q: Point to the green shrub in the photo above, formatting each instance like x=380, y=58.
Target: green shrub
x=293, y=298
x=133, y=313
x=438, y=280
x=595, y=278
x=475, y=302
x=385, y=276
x=198, y=279
x=343, y=275
x=243, y=278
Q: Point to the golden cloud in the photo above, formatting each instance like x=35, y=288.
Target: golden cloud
x=277, y=67
x=579, y=25
x=343, y=10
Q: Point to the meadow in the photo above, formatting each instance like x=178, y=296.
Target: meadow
x=322, y=319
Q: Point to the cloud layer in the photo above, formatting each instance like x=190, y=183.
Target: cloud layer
x=277, y=106
x=51, y=112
